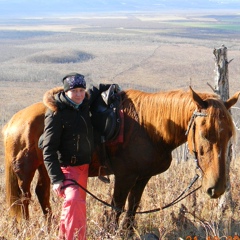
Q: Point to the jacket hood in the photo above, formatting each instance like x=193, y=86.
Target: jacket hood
x=50, y=101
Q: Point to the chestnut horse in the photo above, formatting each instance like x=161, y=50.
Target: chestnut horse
x=154, y=125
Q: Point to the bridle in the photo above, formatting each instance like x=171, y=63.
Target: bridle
x=192, y=124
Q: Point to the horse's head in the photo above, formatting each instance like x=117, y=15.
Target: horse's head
x=210, y=130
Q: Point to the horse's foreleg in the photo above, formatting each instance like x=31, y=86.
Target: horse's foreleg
x=43, y=190
x=122, y=187
x=134, y=199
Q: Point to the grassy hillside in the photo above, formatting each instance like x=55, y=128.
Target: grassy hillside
x=147, y=52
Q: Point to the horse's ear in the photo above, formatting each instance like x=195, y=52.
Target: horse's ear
x=197, y=99
x=231, y=101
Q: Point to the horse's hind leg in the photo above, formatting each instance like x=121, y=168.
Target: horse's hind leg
x=24, y=181
x=43, y=190
x=134, y=199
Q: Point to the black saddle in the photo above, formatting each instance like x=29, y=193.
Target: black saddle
x=104, y=108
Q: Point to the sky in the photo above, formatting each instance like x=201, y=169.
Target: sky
x=20, y=8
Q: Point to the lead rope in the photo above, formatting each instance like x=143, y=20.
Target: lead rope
x=178, y=199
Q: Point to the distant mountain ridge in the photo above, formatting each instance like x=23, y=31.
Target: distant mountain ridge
x=21, y=8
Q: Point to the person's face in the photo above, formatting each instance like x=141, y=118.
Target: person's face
x=76, y=95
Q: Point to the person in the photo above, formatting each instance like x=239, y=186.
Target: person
x=67, y=150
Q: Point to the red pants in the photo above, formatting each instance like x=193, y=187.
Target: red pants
x=73, y=223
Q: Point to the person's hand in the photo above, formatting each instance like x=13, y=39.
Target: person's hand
x=57, y=188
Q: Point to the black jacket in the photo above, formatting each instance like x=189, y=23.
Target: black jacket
x=68, y=136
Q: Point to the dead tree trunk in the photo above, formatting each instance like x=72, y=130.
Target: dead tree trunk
x=222, y=89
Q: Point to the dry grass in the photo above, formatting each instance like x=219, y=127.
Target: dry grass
x=196, y=215
x=140, y=53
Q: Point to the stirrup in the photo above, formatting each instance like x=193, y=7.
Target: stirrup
x=103, y=178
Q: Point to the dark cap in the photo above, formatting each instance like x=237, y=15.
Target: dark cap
x=73, y=80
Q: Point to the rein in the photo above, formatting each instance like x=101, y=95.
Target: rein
x=176, y=200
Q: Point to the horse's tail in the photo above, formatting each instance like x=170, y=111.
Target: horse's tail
x=13, y=191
